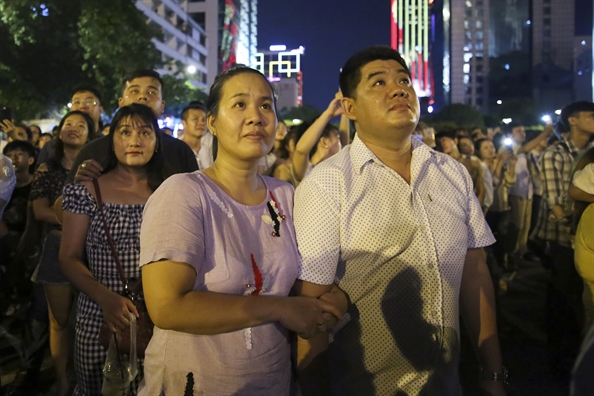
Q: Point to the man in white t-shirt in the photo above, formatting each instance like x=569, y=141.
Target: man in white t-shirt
x=397, y=226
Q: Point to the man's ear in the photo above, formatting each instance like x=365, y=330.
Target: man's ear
x=120, y=102
x=100, y=110
x=572, y=121
x=162, y=107
x=31, y=160
x=348, y=106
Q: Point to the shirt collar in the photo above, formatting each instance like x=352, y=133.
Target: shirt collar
x=361, y=155
x=573, y=150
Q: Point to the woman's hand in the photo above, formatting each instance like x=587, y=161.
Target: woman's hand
x=304, y=315
x=337, y=298
x=117, y=310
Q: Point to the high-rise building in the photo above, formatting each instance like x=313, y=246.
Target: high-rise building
x=459, y=52
x=282, y=67
x=583, y=71
x=232, y=30
x=184, y=40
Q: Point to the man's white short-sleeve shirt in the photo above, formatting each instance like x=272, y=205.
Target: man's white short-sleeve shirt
x=398, y=251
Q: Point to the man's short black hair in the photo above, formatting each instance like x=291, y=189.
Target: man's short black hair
x=350, y=76
x=192, y=106
x=87, y=88
x=23, y=146
x=572, y=109
x=448, y=134
x=138, y=73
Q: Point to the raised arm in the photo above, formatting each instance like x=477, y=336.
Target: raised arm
x=531, y=145
x=310, y=138
x=172, y=304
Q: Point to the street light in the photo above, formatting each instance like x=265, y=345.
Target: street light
x=499, y=102
x=191, y=69
x=507, y=121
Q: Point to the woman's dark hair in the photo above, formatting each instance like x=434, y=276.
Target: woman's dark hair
x=56, y=160
x=283, y=150
x=580, y=206
x=216, y=93
x=498, y=139
x=477, y=147
x=156, y=168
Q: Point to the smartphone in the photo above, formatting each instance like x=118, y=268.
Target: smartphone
x=7, y=113
x=508, y=142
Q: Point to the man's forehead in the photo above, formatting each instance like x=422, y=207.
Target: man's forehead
x=196, y=112
x=144, y=82
x=86, y=94
x=383, y=65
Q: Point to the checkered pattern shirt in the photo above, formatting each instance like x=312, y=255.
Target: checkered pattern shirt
x=556, y=165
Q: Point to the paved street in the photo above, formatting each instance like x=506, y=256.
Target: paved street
x=521, y=300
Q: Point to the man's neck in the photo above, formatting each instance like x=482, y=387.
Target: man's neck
x=580, y=139
x=193, y=142
x=23, y=178
x=397, y=156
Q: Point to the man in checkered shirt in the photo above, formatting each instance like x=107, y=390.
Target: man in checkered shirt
x=564, y=305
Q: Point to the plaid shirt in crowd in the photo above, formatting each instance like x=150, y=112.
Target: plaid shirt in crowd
x=556, y=165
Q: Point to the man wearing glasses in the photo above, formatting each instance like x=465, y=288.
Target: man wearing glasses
x=85, y=98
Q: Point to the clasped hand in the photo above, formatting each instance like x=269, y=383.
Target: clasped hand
x=117, y=310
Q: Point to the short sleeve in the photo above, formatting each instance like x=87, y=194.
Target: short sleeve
x=317, y=225
x=78, y=199
x=479, y=233
x=41, y=186
x=172, y=226
x=584, y=179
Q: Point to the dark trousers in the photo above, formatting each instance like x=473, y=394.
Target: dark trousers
x=564, y=309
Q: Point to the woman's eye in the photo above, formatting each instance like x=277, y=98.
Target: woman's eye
x=240, y=104
x=405, y=80
x=379, y=82
x=266, y=106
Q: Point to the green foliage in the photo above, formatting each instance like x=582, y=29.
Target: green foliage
x=178, y=93
x=463, y=116
x=47, y=51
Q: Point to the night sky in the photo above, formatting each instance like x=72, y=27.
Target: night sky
x=333, y=30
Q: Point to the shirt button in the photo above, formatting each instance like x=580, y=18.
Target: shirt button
x=434, y=313
x=430, y=266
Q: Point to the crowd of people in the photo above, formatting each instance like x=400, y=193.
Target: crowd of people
x=317, y=259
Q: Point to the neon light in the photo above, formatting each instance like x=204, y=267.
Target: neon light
x=278, y=48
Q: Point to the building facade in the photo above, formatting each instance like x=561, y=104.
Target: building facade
x=184, y=41
x=232, y=30
x=282, y=68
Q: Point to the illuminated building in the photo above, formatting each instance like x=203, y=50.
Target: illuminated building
x=445, y=44
x=282, y=67
x=232, y=32
x=410, y=37
x=183, y=39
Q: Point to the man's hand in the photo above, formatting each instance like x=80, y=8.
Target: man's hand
x=88, y=170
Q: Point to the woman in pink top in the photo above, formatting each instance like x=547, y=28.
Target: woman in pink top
x=219, y=259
